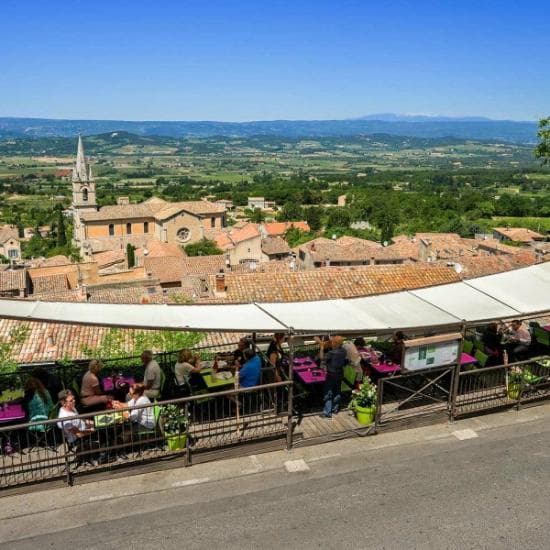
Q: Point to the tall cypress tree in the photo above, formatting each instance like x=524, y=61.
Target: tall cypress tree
x=61, y=230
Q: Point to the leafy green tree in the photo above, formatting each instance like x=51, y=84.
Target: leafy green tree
x=204, y=247
x=8, y=346
x=295, y=237
x=543, y=148
x=338, y=217
x=257, y=216
x=291, y=211
x=314, y=216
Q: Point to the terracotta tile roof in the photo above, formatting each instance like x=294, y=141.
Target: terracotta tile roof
x=203, y=265
x=519, y=234
x=159, y=249
x=273, y=266
x=166, y=269
x=126, y=295
x=227, y=240
x=59, y=296
x=157, y=209
x=323, y=284
x=53, y=341
x=70, y=271
x=11, y=280
x=344, y=249
x=488, y=264
x=275, y=245
x=109, y=257
x=278, y=229
x=53, y=261
x=56, y=282
x=8, y=232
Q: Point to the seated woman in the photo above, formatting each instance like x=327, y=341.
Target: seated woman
x=90, y=391
x=491, y=339
x=143, y=418
x=37, y=400
x=186, y=366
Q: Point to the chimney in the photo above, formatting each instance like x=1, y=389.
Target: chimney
x=84, y=292
x=220, y=282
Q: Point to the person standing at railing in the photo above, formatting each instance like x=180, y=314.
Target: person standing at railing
x=275, y=357
x=151, y=375
x=335, y=360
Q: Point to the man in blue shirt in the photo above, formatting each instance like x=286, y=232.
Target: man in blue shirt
x=249, y=374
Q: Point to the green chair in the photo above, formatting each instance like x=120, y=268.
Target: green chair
x=542, y=336
x=467, y=346
x=481, y=358
x=348, y=380
x=145, y=433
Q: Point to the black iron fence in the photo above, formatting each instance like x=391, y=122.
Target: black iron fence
x=51, y=449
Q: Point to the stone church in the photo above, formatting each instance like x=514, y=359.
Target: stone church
x=113, y=227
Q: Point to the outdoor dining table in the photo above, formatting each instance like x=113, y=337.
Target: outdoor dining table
x=385, y=368
x=546, y=328
x=217, y=382
x=11, y=412
x=310, y=373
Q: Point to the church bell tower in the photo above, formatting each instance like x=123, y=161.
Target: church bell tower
x=84, y=199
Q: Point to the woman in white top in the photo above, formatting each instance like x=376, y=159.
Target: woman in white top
x=185, y=367
x=142, y=418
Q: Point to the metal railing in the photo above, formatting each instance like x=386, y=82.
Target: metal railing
x=480, y=390
x=43, y=450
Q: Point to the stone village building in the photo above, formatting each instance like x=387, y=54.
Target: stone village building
x=113, y=227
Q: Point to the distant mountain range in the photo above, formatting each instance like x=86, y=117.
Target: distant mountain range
x=420, y=126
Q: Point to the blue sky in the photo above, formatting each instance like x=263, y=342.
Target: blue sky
x=273, y=59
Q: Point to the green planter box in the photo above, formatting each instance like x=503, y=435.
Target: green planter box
x=365, y=415
x=176, y=442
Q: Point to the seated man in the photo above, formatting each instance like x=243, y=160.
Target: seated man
x=250, y=373
x=518, y=340
x=151, y=375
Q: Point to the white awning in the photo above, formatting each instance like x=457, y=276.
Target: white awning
x=526, y=290
x=207, y=318
x=464, y=302
x=523, y=292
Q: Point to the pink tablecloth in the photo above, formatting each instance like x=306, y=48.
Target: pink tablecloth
x=466, y=359
x=310, y=375
x=385, y=368
x=108, y=382
x=547, y=328
x=12, y=413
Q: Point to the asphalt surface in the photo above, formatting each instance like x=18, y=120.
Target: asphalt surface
x=489, y=491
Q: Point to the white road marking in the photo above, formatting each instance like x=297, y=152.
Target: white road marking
x=465, y=434
x=299, y=465
x=324, y=457
x=188, y=482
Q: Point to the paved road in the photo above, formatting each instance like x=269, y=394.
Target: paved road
x=490, y=491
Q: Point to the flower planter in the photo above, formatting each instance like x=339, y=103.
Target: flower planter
x=514, y=391
x=365, y=415
x=176, y=442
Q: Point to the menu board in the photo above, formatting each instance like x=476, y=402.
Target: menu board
x=425, y=353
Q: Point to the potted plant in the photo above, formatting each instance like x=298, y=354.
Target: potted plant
x=364, y=402
x=514, y=385
x=174, y=424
